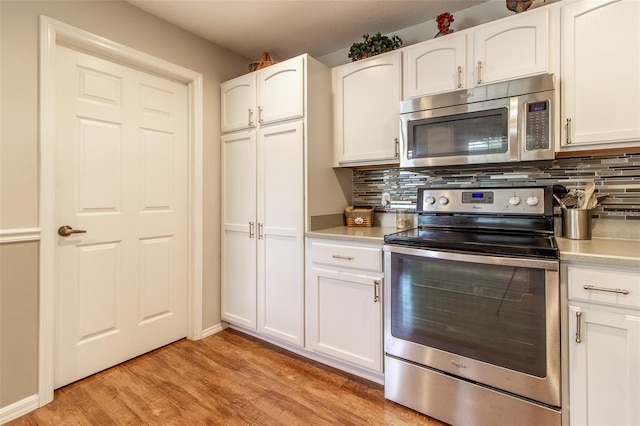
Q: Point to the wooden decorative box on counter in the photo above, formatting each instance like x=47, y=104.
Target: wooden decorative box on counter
x=359, y=215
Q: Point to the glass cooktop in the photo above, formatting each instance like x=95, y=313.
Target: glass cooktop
x=478, y=241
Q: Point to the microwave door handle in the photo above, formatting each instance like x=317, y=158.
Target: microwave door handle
x=516, y=129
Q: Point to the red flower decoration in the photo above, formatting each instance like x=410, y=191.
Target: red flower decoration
x=444, y=20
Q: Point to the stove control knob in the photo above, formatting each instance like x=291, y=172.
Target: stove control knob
x=443, y=200
x=430, y=200
x=532, y=201
x=514, y=201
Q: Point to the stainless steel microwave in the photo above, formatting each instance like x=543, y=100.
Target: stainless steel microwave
x=502, y=122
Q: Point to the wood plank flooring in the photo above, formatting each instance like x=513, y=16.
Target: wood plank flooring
x=226, y=379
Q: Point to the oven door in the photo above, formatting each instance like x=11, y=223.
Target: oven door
x=488, y=319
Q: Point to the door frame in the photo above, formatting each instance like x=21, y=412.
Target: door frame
x=53, y=33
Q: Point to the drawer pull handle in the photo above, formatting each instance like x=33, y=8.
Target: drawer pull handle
x=337, y=256
x=609, y=290
x=376, y=291
x=578, y=333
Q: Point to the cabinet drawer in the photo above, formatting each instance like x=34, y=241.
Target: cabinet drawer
x=604, y=286
x=369, y=258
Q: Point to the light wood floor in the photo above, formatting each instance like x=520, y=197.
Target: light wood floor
x=226, y=379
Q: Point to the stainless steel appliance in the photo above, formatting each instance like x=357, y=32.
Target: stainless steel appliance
x=497, y=123
x=472, y=308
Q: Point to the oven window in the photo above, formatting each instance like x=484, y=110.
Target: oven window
x=491, y=313
x=473, y=133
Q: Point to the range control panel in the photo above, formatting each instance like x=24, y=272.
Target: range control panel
x=521, y=200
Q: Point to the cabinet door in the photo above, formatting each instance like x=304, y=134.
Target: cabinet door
x=281, y=91
x=600, y=69
x=512, y=48
x=604, y=367
x=238, y=103
x=434, y=66
x=366, y=110
x=345, y=317
x=281, y=232
x=238, y=228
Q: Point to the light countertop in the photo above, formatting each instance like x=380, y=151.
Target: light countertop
x=605, y=251
x=364, y=234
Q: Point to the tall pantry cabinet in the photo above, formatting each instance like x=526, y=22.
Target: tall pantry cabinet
x=275, y=123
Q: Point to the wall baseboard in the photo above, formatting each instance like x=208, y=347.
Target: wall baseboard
x=17, y=235
x=18, y=409
x=213, y=330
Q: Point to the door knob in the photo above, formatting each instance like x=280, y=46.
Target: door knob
x=66, y=230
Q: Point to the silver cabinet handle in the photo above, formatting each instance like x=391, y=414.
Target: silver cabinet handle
x=479, y=72
x=66, y=230
x=397, y=148
x=568, y=131
x=251, y=233
x=259, y=114
x=608, y=290
x=376, y=291
x=260, y=231
x=338, y=256
x=250, y=117
x=578, y=333
x=459, y=76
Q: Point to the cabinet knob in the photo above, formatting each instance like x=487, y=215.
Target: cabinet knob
x=568, y=131
x=479, y=72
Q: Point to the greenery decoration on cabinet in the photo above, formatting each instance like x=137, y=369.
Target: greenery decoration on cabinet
x=373, y=45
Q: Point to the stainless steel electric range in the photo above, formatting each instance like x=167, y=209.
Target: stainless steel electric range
x=472, y=308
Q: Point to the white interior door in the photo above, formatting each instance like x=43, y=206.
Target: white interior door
x=121, y=175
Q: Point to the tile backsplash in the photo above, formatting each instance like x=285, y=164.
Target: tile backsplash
x=617, y=176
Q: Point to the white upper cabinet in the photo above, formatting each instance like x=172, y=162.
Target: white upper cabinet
x=273, y=94
x=514, y=47
x=366, y=101
x=281, y=91
x=435, y=66
x=600, y=74
x=238, y=98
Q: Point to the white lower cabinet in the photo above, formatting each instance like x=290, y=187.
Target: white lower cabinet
x=344, y=302
x=604, y=345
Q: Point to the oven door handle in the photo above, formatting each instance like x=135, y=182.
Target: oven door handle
x=546, y=264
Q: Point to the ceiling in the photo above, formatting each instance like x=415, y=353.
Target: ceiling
x=289, y=28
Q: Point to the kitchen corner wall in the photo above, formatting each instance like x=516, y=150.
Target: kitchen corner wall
x=617, y=176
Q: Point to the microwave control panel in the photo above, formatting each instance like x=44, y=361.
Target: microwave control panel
x=537, y=126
